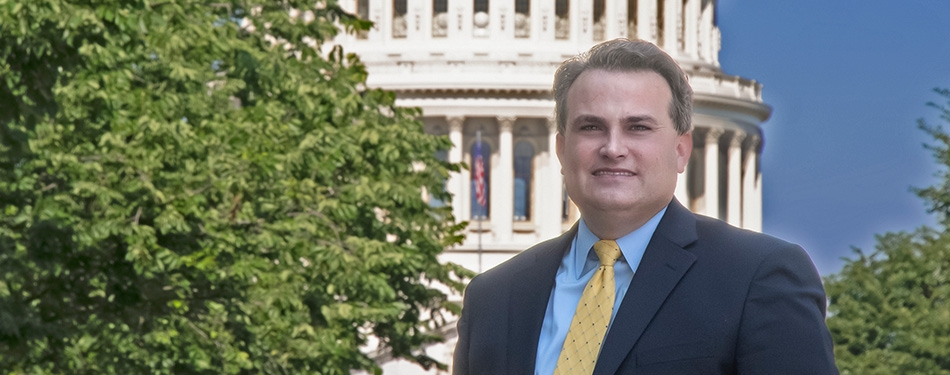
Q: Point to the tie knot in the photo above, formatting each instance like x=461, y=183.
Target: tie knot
x=608, y=251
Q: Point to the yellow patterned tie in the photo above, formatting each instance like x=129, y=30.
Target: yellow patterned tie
x=582, y=345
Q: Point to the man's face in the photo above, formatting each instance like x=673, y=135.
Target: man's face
x=619, y=149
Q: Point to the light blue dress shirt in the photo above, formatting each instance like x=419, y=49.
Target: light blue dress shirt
x=576, y=269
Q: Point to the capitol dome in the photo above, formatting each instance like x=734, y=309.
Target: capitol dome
x=486, y=67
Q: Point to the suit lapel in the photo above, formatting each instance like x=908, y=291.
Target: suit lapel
x=528, y=297
x=663, y=265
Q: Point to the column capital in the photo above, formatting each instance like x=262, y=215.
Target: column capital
x=713, y=134
x=736, y=140
x=506, y=123
x=455, y=122
x=753, y=142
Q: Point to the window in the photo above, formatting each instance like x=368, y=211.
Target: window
x=362, y=10
x=632, y=19
x=562, y=16
x=440, y=18
x=440, y=6
x=481, y=6
x=524, y=156
x=681, y=32
x=479, y=210
x=400, y=24
x=599, y=20
x=523, y=6
x=522, y=18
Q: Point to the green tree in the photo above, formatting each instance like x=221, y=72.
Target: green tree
x=889, y=311
x=187, y=188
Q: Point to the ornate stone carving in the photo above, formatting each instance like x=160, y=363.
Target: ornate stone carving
x=599, y=30
x=480, y=21
x=399, y=26
x=562, y=27
x=713, y=134
x=522, y=25
x=506, y=123
x=736, y=140
x=455, y=122
x=440, y=25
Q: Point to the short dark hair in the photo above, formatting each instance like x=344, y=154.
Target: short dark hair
x=620, y=55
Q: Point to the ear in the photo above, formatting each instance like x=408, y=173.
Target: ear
x=559, y=148
x=684, y=147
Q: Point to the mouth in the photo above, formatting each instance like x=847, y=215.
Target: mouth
x=614, y=172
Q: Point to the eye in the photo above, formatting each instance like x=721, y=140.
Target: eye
x=640, y=127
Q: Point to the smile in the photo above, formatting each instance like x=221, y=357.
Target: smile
x=613, y=173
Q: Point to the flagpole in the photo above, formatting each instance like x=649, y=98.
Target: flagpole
x=481, y=213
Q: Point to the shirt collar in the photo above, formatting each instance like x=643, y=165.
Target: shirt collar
x=632, y=245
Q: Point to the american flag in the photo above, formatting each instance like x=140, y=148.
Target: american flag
x=479, y=175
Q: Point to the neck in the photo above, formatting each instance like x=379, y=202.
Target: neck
x=611, y=225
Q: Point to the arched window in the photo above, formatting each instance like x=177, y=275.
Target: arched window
x=481, y=172
x=524, y=155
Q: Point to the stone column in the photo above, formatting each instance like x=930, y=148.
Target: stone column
x=711, y=195
x=615, y=19
x=548, y=202
x=646, y=20
x=704, y=41
x=460, y=20
x=671, y=26
x=503, y=184
x=751, y=186
x=458, y=183
x=734, y=200
x=543, y=15
x=387, y=25
x=582, y=21
x=414, y=20
x=691, y=29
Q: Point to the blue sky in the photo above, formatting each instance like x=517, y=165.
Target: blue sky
x=847, y=81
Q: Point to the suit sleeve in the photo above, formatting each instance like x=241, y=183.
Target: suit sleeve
x=783, y=327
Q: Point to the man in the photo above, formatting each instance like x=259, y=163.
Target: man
x=691, y=294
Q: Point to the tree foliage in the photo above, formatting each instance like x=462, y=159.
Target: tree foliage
x=890, y=310
x=207, y=187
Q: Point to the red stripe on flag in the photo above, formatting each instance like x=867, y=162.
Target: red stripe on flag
x=480, y=178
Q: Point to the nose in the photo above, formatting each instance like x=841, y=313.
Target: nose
x=613, y=147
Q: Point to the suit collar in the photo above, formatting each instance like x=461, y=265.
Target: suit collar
x=528, y=299
x=664, y=263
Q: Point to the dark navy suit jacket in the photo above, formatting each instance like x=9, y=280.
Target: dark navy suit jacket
x=707, y=298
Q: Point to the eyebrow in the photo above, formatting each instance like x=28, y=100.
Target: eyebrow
x=639, y=120
x=627, y=120
x=586, y=119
